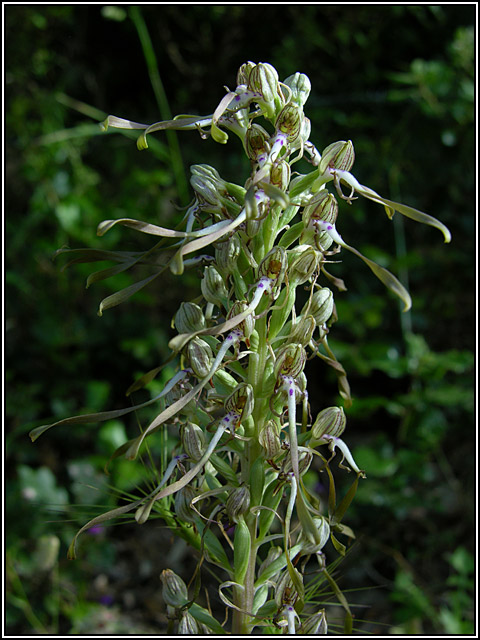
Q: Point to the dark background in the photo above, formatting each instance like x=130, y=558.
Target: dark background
x=398, y=82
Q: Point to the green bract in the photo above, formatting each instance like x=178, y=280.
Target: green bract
x=242, y=446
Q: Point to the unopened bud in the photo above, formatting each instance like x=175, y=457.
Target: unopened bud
x=290, y=361
x=316, y=625
x=303, y=262
x=280, y=175
x=269, y=438
x=200, y=357
x=193, y=441
x=285, y=590
x=174, y=590
x=338, y=155
x=183, y=499
x=264, y=79
x=330, y=422
x=273, y=554
x=274, y=265
x=255, y=142
x=300, y=86
x=321, y=306
x=206, y=189
x=243, y=74
x=289, y=122
x=323, y=206
x=189, y=318
x=241, y=401
x=304, y=461
x=323, y=528
x=302, y=330
x=246, y=326
x=238, y=503
x=226, y=255
x=188, y=625
x=213, y=287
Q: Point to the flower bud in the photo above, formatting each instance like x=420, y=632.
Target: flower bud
x=243, y=74
x=193, y=441
x=269, y=438
x=321, y=306
x=264, y=79
x=200, y=357
x=188, y=625
x=238, y=503
x=274, y=265
x=289, y=122
x=183, y=499
x=246, y=326
x=323, y=528
x=255, y=142
x=285, y=590
x=241, y=401
x=338, y=155
x=206, y=189
x=303, y=262
x=302, y=330
x=315, y=625
x=331, y=422
x=323, y=206
x=226, y=255
x=280, y=175
x=290, y=361
x=273, y=554
x=213, y=287
x=300, y=86
x=189, y=318
x=304, y=461
x=174, y=590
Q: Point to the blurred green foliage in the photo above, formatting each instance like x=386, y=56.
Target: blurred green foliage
x=399, y=82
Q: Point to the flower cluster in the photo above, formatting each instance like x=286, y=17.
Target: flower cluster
x=239, y=400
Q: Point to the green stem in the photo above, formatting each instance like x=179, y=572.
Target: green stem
x=161, y=98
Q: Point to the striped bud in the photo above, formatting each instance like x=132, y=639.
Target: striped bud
x=324, y=206
x=241, y=401
x=274, y=265
x=189, y=318
x=183, y=499
x=338, y=155
x=246, y=326
x=206, y=189
x=174, y=590
x=315, y=625
x=238, y=503
x=302, y=330
x=280, y=175
x=290, y=361
x=193, y=440
x=200, y=357
x=243, y=74
x=304, y=461
x=323, y=529
x=188, y=625
x=226, y=255
x=269, y=438
x=285, y=590
x=289, y=122
x=255, y=142
x=213, y=287
x=273, y=554
x=300, y=86
x=264, y=78
x=330, y=422
x=321, y=306
x=303, y=262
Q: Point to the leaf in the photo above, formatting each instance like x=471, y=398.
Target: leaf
x=124, y=294
x=387, y=278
